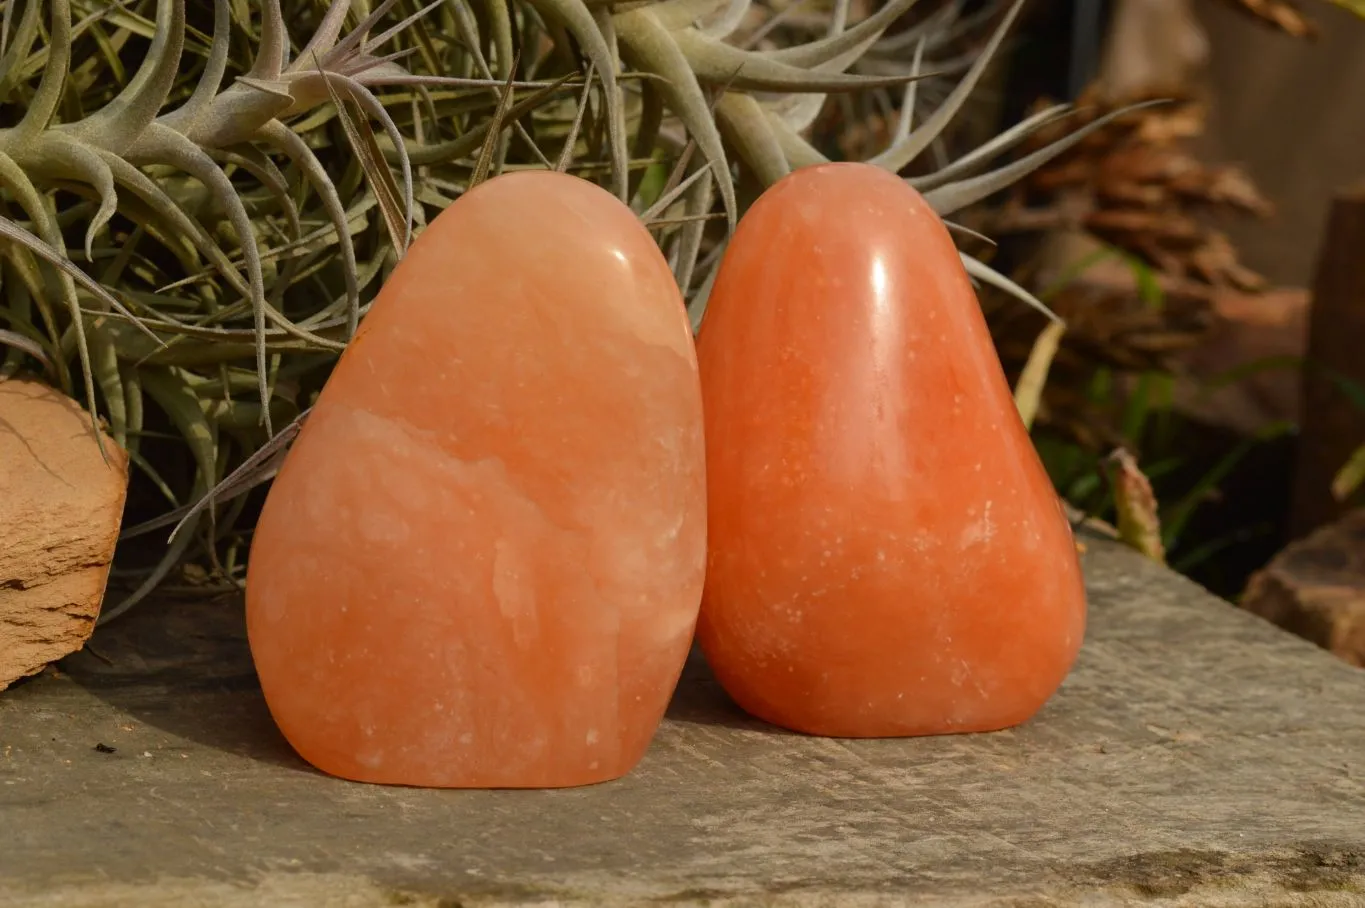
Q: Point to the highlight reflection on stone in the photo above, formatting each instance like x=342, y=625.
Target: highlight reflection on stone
x=481, y=563
x=887, y=554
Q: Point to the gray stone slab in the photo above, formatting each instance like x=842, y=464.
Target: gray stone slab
x=1196, y=756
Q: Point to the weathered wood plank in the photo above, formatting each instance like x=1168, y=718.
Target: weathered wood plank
x=1197, y=756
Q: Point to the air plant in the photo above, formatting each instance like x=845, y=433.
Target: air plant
x=240, y=195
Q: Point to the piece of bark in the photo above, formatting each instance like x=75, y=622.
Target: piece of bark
x=1333, y=424
x=61, y=504
x=1316, y=588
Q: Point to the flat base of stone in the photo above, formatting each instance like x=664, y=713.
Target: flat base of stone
x=1197, y=756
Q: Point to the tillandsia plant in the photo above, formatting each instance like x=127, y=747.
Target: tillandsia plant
x=189, y=242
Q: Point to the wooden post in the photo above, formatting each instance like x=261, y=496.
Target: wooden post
x=1332, y=426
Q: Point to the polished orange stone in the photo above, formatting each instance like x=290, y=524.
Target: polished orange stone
x=482, y=560
x=887, y=554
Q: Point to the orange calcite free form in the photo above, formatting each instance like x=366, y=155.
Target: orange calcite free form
x=887, y=556
x=482, y=560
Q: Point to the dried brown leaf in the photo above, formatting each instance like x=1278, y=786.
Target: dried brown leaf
x=1136, y=505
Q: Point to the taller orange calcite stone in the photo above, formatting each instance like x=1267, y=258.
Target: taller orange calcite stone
x=482, y=560
x=887, y=555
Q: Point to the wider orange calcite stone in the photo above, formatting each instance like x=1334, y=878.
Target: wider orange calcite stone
x=482, y=560
x=887, y=554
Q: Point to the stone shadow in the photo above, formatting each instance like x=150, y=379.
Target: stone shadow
x=182, y=667
x=700, y=700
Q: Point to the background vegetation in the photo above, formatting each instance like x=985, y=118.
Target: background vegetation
x=198, y=201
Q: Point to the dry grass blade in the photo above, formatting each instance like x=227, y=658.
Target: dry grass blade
x=16, y=234
x=903, y=152
x=1136, y=506
x=699, y=201
x=980, y=271
x=485, y=160
x=978, y=157
x=1350, y=477
x=173, y=393
x=682, y=219
x=1028, y=390
x=675, y=175
x=671, y=196
x=578, y=20
x=401, y=27
x=566, y=154
x=472, y=139
x=28, y=345
x=696, y=306
x=613, y=97
x=954, y=227
x=956, y=196
x=649, y=46
x=907, y=113
x=714, y=62
x=259, y=467
x=362, y=141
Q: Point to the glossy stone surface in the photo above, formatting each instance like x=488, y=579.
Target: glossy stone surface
x=481, y=563
x=887, y=555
